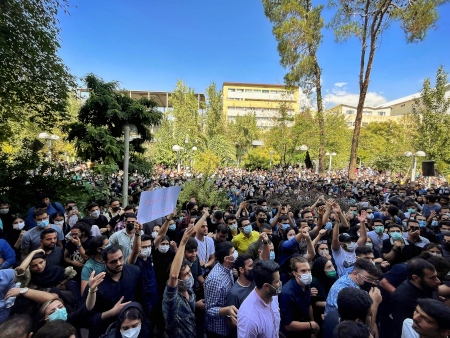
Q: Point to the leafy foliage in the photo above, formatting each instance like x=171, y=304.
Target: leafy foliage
x=34, y=82
x=297, y=26
x=242, y=132
x=202, y=189
x=98, y=131
x=367, y=20
x=431, y=112
x=259, y=158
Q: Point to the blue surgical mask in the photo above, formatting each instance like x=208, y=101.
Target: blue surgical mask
x=422, y=224
x=284, y=226
x=233, y=226
x=58, y=314
x=272, y=255
x=411, y=210
x=247, y=229
x=328, y=226
x=42, y=224
x=434, y=223
x=396, y=236
x=274, y=211
x=379, y=229
x=172, y=227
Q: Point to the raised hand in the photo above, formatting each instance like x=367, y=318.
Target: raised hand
x=95, y=281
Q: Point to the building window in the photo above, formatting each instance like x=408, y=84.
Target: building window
x=402, y=105
x=265, y=91
x=257, y=91
x=273, y=92
x=239, y=90
x=350, y=112
x=381, y=113
x=231, y=90
x=367, y=112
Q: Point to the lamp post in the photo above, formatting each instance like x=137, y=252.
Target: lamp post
x=419, y=153
x=127, y=130
x=194, y=148
x=302, y=148
x=49, y=139
x=177, y=148
x=331, y=158
x=271, y=154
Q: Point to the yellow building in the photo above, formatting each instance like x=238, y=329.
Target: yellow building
x=370, y=114
x=262, y=99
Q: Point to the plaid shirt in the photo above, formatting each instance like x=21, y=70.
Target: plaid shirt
x=217, y=285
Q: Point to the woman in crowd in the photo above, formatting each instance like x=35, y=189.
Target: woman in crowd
x=131, y=323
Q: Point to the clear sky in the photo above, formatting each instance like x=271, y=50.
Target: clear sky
x=150, y=44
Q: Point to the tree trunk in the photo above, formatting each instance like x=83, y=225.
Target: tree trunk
x=320, y=117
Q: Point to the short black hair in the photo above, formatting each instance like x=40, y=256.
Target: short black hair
x=55, y=329
x=84, y=228
x=15, y=326
x=437, y=310
x=363, y=250
x=91, y=205
x=95, y=243
x=240, y=261
x=47, y=231
x=365, y=265
x=353, y=304
x=223, y=250
x=240, y=220
x=265, y=226
x=191, y=244
x=112, y=249
x=263, y=272
x=146, y=237
x=416, y=266
x=39, y=213
x=222, y=228
x=229, y=217
x=351, y=329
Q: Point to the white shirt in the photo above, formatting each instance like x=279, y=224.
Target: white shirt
x=407, y=330
x=342, y=256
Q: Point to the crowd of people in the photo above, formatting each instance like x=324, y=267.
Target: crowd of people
x=293, y=254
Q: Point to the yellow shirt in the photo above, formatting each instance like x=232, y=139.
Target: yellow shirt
x=241, y=242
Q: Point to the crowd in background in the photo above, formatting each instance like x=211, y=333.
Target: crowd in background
x=292, y=254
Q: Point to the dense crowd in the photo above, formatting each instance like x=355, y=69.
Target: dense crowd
x=293, y=254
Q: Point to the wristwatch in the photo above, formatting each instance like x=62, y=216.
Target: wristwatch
x=23, y=291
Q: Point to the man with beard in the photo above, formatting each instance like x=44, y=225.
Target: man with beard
x=422, y=281
x=53, y=253
x=430, y=320
x=243, y=285
x=125, y=237
x=121, y=285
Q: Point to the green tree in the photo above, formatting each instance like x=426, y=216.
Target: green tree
x=242, y=132
x=367, y=20
x=431, y=112
x=215, y=118
x=98, y=133
x=34, y=82
x=259, y=158
x=297, y=26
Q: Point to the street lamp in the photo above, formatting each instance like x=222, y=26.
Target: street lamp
x=177, y=148
x=194, y=148
x=127, y=130
x=271, y=154
x=302, y=148
x=331, y=157
x=414, y=162
x=49, y=139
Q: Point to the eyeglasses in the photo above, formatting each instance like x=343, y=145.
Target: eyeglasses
x=369, y=279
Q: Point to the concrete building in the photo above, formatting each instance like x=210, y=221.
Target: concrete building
x=370, y=114
x=262, y=99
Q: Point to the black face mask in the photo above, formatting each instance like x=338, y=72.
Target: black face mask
x=115, y=209
x=249, y=275
x=261, y=220
x=446, y=246
x=366, y=286
x=194, y=213
x=130, y=226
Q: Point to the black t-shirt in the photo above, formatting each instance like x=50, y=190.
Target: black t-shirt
x=409, y=251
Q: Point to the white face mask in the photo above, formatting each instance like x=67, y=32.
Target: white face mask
x=163, y=248
x=235, y=254
x=58, y=222
x=146, y=252
x=305, y=278
x=323, y=252
x=351, y=246
x=131, y=333
x=154, y=234
x=19, y=226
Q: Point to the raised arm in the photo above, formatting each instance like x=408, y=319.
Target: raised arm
x=310, y=253
x=275, y=219
x=162, y=232
x=362, y=229
x=320, y=223
x=179, y=256
x=26, y=262
x=200, y=221
x=335, y=239
x=136, y=243
x=94, y=282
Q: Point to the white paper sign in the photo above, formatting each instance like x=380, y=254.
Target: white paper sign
x=157, y=203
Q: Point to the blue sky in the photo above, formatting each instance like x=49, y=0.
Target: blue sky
x=150, y=44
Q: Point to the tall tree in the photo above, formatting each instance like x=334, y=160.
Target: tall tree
x=297, y=26
x=367, y=20
x=431, y=111
x=34, y=82
x=215, y=118
x=98, y=133
x=242, y=132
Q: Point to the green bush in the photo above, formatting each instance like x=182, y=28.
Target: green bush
x=202, y=189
